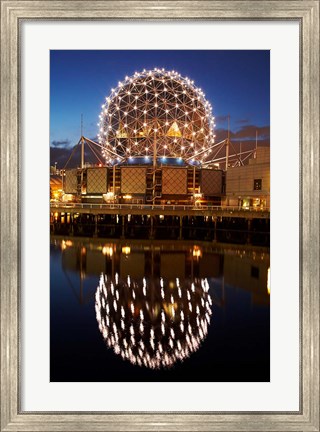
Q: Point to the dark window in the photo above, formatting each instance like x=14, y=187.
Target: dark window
x=257, y=184
x=255, y=272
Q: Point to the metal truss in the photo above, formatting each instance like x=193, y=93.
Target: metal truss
x=156, y=113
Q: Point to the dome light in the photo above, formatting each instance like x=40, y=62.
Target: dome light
x=162, y=110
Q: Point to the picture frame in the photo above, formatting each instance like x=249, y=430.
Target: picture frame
x=12, y=14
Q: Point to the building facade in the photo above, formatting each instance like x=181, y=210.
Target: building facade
x=144, y=184
x=248, y=186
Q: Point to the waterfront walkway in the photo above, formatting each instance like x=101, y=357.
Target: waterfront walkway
x=149, y=209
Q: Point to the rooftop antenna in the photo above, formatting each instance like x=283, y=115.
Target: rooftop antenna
x=82, y=156
x=227, y=144
x=82, y=144
x=255, y=154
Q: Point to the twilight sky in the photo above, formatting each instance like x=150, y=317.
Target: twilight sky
x=235, y=82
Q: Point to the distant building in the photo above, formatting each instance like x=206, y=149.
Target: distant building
x=248, y=186
x=56, y=190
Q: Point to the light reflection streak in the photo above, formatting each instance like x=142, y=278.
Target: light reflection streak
x=170, y=330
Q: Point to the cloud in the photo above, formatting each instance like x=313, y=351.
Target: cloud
x=95, y=138
x=249, y=132
x=61, y=143
x=222, y=134
x=246, y=135
x=221, y=119
x=72, y=156
x=242, y=121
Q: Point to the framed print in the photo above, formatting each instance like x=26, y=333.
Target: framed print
x=142, y=283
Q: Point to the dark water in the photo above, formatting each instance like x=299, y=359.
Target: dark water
x=160, y=311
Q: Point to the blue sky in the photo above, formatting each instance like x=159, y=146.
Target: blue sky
x=235, y=82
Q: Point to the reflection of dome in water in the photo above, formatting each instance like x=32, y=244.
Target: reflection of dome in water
x=153, y=324
x=156, y=111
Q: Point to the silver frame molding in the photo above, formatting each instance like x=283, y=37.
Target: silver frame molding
x=306, y=12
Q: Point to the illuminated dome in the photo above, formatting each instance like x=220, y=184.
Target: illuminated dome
x=156, y=115
x=153, y=323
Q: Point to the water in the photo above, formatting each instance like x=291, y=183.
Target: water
x=160, y=311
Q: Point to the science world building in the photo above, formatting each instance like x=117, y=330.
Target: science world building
x=157, y=163
x=156, y=136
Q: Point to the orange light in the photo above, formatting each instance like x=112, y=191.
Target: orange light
x=197, y=252
x=107, y=250
x=126, y=250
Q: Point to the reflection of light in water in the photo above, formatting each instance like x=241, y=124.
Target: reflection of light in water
x=268, y=281
x=126, y=250
x=107, y=250
x=65, y=244
x=196, y=252
x=153, y=323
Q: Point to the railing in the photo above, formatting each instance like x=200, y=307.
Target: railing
x=114, y=206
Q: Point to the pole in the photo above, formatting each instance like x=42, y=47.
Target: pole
x=95, y=226
x=114, y=181
x=227, y=144
x=151, y=236
x=154, y=166
x=82, y=143
x=122, y=227
x=194, y=181
x=82, y=153
x=82, y=164
x=255, y=155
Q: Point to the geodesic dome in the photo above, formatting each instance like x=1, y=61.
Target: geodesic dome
x=156, y=114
